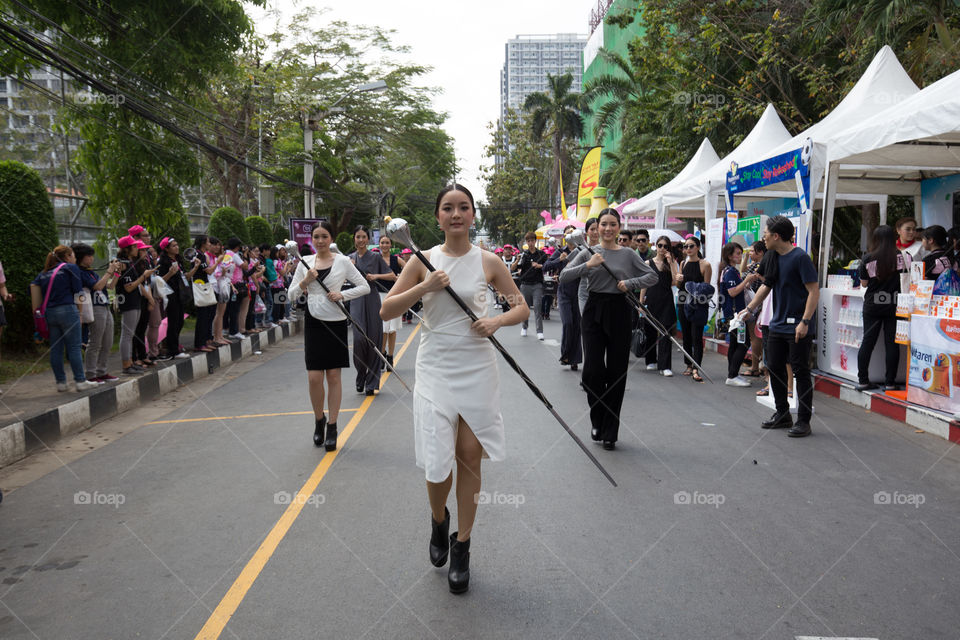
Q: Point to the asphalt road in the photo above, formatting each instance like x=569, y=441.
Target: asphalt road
x=186, y=522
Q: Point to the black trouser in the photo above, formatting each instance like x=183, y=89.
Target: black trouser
x=871, y=331
x=139, y=334
x=174, y=323
x=607, y=321
x=570, y=348
x=204, y=329
x=659, y=348
x=233, y=311
x=692, y=338
x=279, y=304
x=783, y=348
x=736, y=352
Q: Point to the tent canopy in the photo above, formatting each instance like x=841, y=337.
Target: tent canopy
x=704, y=158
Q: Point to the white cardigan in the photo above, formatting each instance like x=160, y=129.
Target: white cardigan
x=318, y=304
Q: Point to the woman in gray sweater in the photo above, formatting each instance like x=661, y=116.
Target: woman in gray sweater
x=607, y=323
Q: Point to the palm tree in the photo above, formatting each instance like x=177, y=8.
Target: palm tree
x=556, y=113
x=622, y=90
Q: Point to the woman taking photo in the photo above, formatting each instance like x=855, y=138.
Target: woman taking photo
x=325, y=328
x=203, y=333
x=171, y=269
x=607, y=323
x=733, y=300
x=693, y=269
x=134, y=276
x=571, y=351
x=53, y=293
x=384, y=284
x=366, y=313
x=101, y=329
x=879, y=275
x=659, y=299
x=456, y=400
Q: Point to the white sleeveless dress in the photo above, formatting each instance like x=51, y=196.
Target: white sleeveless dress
x=457, y=373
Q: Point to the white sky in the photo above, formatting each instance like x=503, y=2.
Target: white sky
x=463, y=40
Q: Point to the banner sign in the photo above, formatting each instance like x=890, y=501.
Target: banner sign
x=300, y=229
x=589, y=178
x=770, y=171
x=934, y=376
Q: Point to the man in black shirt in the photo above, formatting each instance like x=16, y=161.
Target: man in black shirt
x=530, y=266
x=789, y=273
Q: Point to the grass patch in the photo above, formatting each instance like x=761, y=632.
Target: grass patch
x=15, y=365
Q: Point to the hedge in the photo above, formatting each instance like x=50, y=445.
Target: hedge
x=259, y=230
x=227, y=222
x=345, y=243
x=28, y=232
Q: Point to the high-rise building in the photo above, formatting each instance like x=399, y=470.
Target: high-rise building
x=529, y=59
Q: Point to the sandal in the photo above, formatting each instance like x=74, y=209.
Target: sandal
x=696, y=376
x=764, y=392
x=750, y=374
x=688, y=371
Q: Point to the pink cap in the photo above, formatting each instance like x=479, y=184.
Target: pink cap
x=141, y=245
x=135, y=230
x=406, y=251
x=163, y=243
x=125, y=242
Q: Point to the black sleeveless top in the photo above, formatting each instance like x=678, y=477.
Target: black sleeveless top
x=691, y=272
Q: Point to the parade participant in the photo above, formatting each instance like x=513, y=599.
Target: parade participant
x=384, y=284
x=592, y=232
x=789, y=273
x=571, y=351
x=366, y=313
x=879, y=275
x=456, y=402
x=733, y=300
x=659, y=299
x=530, y=269
x=607, y=323
x=100, y=339
x=325, y=327
x=907, y=238
x=693, y=269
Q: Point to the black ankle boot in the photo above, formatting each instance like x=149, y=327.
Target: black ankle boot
x=330, y=444
x=440, y=539
x=459, y=575
x=318, y=431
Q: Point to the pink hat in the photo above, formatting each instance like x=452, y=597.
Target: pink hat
x=135, y=230
x=509, y=246
x=498, y=250
x=406, y=251
x=125, y=242
x=141, y=245
x=163, y=243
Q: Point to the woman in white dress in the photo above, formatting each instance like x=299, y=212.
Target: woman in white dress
x=456, y=402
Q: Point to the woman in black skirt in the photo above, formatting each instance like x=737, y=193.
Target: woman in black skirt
x=325, y=328
x=607, y=323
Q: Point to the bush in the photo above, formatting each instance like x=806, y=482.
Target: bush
x=227, y=222
x=28, y=232
x=259, y=230
x=181, y=232
x=345, y=243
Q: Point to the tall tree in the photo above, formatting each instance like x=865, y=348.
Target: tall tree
x=556, y=114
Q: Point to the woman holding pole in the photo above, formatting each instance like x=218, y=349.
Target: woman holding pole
x=456, y=403
x=366, y=311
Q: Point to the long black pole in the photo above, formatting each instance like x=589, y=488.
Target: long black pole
x=649, y=317
x=516, y=367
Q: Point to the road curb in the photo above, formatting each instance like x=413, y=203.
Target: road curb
x=40, y=431
x=933, y=422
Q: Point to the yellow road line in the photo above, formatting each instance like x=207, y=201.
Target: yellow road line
x=231, y=601
x=251, y=415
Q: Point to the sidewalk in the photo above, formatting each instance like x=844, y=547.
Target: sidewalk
x=33, y=414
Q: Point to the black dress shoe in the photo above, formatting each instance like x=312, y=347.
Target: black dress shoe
x=778, y=421
x=573, y=367
x=359, y=387
x=318, y=431
x=459, y=575
x=595, y=434
x=371, y=392
x=609, y=445
x=440, y=539
x=800, y=430
x=866, y=386
x=389, y=360
x=330, y=443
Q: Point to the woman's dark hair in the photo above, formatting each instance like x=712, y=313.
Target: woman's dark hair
x=325, y=224
x=696, y=241
x=447, y=189
x=760, y=247
x=234, y=243
x=55, y=257
x=667, y=238
x=567, y=229
x=609, y=212
x=937, y=234
x=781, y=226
x=883, y=248
x=199, y=241
x=213, y=240
x=359, y=228
x=590, y=223
x=264, y=248
x=81, y=251
x=727, y=252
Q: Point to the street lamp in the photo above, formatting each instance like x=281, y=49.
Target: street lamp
x=313, y=122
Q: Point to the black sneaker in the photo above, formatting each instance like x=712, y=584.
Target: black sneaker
x=164, y=357
x=778, y=421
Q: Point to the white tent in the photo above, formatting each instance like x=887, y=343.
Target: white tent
x=703, y=159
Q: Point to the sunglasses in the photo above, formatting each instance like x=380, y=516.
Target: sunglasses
x=624, y=239
x=689, y=246
x=663, y=246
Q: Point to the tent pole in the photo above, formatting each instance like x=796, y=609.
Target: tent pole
x=826, y=223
